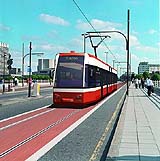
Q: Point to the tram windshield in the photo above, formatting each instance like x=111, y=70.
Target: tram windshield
x=69, y=71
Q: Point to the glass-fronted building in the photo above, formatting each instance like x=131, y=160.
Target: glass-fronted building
x=4, y=56
x=146, y=67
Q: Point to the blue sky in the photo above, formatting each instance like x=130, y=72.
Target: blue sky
x=56, y=26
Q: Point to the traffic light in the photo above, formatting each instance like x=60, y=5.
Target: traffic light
x=9, y=62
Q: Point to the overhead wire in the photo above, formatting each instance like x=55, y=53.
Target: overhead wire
x=93, y=28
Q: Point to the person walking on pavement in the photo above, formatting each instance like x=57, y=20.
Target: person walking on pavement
x=136, y=83
x=139, y=83
x=149, y=86
x=142, y=83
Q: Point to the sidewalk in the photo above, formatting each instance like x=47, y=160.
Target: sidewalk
x=20, y=87
x=137, y=136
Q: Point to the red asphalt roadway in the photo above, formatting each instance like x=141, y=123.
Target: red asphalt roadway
x=17, y=129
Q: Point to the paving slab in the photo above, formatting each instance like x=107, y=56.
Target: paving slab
x=137, y=136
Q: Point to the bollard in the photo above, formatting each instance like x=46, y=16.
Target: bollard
x=36, y=89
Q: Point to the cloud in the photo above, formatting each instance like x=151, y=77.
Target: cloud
x=51, y=19
x=48, y=48
x=98, y=25
x=134, y=41
x=146, y=49
x=152, y=31
x=30, y=38
x=4, y=27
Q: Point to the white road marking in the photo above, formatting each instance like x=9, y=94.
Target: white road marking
x=58, y=138
x=24, y=113
x=26, y=119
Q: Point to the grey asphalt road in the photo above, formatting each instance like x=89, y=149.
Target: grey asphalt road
x=12, y=104
x=81, y=142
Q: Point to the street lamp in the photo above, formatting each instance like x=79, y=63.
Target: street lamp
x=127, y=44
x=30, y=56
x=4, y=72
x=106, y=56
x=118, y=63
x=38, y=54
x=113, y=63
x=29, y=79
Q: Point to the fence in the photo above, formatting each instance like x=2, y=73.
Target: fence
x=156, y=83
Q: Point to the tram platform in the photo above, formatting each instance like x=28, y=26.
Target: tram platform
x=137, y=136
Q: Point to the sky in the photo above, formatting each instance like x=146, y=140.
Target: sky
x=55, y=26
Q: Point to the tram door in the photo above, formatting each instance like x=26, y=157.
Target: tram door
x=101, y=83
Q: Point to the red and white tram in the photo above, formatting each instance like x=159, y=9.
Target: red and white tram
x=81, y=79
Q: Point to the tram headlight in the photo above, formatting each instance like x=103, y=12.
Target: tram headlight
x=79, y=97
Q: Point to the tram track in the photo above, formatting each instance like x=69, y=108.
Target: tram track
x=26, y=119
x=38, y=133
x=18, y=118
x=35, y=129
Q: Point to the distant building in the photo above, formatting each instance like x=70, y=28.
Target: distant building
x=143, y=67
x=45, y=65
x=146, y=67
x=4, y=56
x=154, y=68
x=16, y=71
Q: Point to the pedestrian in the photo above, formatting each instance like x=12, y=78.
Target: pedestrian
x=16, y=81
x=142, y=83
x=139, y=83
x=136, y=83
x=150, y=86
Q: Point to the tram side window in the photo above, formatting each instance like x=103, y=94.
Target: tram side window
x=114, y=78
x=86, y=75
x=109, y=77
x=104, y=76
x=98, y=77
x=91, y=76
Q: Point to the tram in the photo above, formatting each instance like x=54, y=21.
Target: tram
x=81, y=79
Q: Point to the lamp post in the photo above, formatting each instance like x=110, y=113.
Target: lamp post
x=29, y=79
x=4, y=67
x=113, y=63
x=30, y=60
x=117, y=70
x=118, y=63
x=23, y=63
x=127, y=44
x=106, y=56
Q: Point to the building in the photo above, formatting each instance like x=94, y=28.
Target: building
x=143, y=67
x=4, y=56
x=15, y=71
x=45, y=65
x=154, y=68
x=146, y=67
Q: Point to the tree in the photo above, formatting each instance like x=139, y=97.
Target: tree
x=155, y=77
x=139, y=76
x=146, y=75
